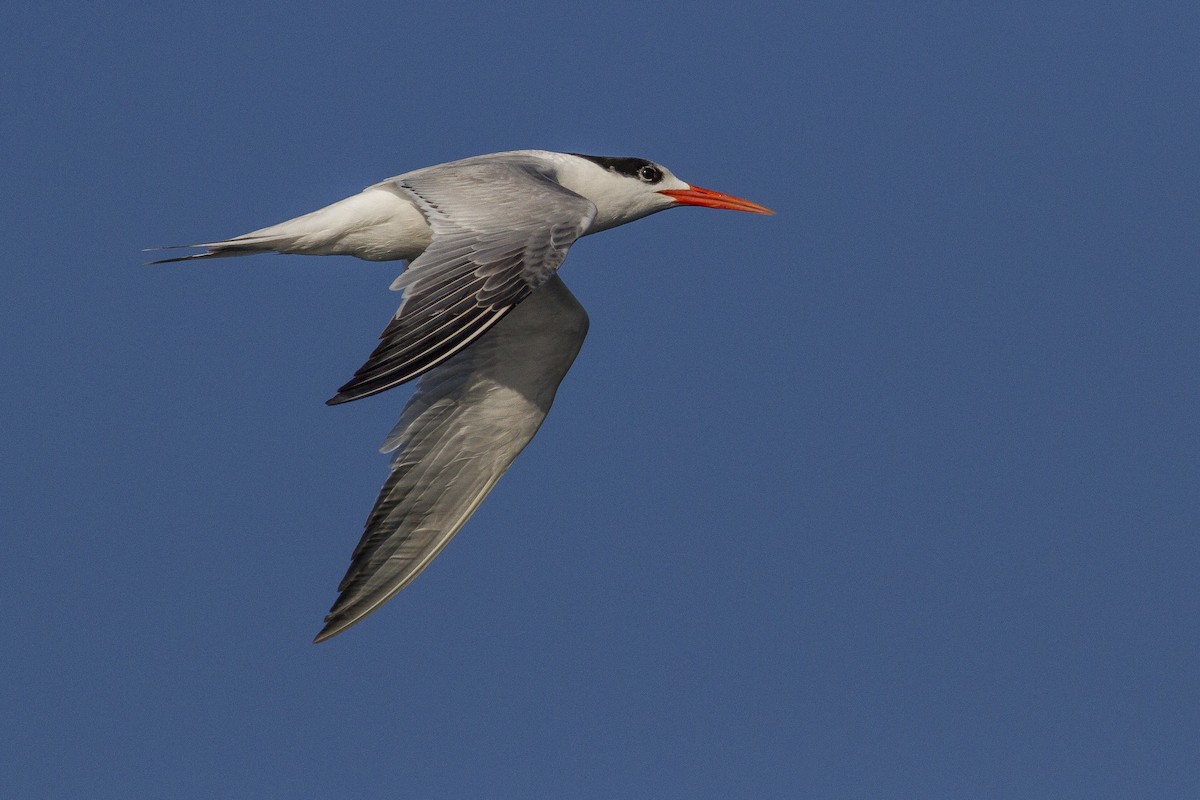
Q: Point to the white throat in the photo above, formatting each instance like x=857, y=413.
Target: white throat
x=619, y=199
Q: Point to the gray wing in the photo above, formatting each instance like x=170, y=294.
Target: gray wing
x=500, y=229
x=467, y=421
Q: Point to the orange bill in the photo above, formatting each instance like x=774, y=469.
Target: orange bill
x=695, y=196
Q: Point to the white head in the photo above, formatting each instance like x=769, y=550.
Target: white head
x=625, y=189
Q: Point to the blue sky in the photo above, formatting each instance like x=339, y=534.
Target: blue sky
x=893, y=494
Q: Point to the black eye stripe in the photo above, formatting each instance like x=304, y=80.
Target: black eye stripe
x=624, y=166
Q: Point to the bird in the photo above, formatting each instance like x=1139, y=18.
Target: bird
x=485, y=323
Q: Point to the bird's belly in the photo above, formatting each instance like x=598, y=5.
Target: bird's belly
x=375, y=225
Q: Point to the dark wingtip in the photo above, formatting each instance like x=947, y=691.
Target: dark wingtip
x=334, y=624
x=352, y=390
x=358, y=388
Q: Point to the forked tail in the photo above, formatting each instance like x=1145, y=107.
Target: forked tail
x=237, y=246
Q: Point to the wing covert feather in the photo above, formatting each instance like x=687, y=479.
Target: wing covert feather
x=500, y=230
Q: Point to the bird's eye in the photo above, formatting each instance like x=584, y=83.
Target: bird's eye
x=650, y=174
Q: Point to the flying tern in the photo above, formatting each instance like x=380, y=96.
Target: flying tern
x=484, y=322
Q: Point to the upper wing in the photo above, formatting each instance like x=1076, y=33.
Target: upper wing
x=467, y=421
x=500, y=229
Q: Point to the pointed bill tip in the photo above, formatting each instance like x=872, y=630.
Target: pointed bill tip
x=707, y=198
